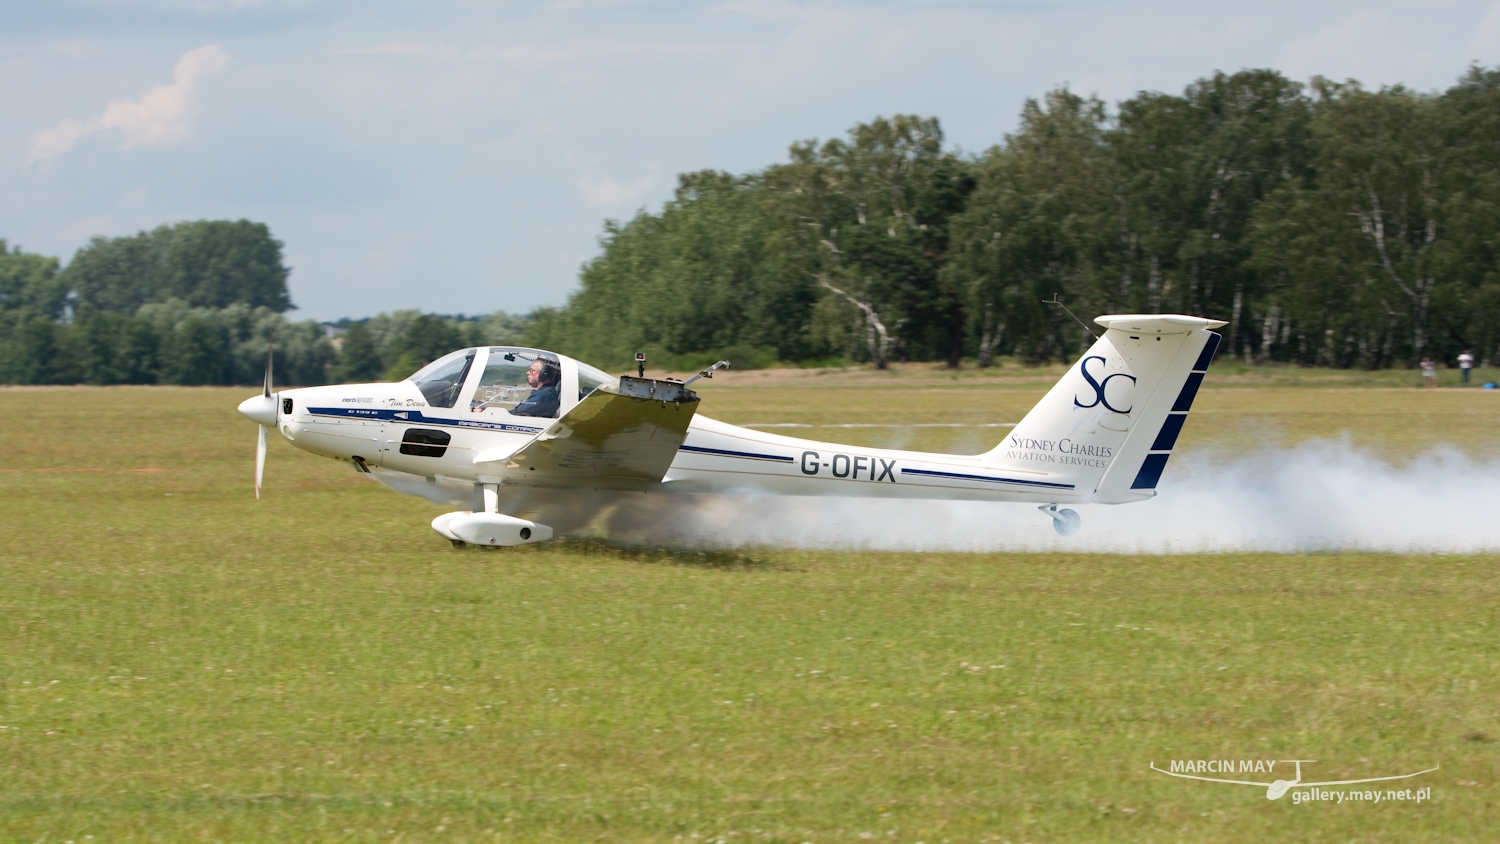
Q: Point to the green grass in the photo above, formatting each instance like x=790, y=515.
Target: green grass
x=180, y=662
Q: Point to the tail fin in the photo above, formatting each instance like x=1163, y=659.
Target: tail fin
x=1110, y=423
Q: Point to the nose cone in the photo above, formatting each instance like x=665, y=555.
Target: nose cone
x=260, y=410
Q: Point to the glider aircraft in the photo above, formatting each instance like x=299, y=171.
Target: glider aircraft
x=493, y=422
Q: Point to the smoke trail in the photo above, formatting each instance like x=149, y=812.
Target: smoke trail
x=1321, y=495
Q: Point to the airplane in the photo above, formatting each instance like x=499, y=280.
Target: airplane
x=490, y=424
x=1277, y=789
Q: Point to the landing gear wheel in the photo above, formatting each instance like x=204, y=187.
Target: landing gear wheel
x=458, y=543
x=1065, y=522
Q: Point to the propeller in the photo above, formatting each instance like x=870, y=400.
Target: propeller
x=260, y=444
x=261, y=410
x=260, y=460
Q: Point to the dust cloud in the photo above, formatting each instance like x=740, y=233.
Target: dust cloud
x=1319, y=496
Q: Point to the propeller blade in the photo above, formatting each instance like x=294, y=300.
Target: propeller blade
x=270, y=350
x=260, y=460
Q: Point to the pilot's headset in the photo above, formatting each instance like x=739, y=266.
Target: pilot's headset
x=551, y=373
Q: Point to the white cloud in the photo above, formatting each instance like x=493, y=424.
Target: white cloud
x=606, y=192
x=161, y=116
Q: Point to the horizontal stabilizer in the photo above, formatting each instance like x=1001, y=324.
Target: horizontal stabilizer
x=1156, y=323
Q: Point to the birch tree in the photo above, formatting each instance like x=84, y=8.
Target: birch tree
x=1024, y=234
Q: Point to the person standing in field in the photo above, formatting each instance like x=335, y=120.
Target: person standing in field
x=1429, y=373
x=1465, y=363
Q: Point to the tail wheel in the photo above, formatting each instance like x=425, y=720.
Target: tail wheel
x=1067, y=522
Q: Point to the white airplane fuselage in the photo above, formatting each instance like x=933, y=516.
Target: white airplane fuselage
x=368, y=421
x=469, y=421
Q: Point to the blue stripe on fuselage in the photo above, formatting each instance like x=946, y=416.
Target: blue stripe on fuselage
x=415, y=417
x=722, y=452
x=963, y=477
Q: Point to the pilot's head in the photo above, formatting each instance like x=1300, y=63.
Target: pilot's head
x=542, y=373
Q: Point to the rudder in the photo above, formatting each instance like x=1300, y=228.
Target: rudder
x=1109, y=425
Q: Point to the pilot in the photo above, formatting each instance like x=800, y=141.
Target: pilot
x=544, y=377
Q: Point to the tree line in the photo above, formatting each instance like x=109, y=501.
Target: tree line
x=199, y=303
x=1329, y=225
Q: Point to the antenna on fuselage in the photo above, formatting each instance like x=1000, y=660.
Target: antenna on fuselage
x=707, y=373
x=1058, y=302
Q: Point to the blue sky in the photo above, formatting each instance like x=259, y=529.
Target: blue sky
x=462, y=156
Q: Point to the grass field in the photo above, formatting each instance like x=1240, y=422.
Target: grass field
x=179, y=662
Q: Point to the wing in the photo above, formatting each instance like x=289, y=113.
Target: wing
x=616, y=438
x=1371, y=779
x=1210, y=779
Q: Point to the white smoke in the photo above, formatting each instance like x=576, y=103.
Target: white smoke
x=1321, y=495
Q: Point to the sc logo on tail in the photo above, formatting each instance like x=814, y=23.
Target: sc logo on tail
x=1100, y=386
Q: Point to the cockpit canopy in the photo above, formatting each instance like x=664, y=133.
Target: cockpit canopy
x=522, y=382
x=441, y=380
x=511, y=380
